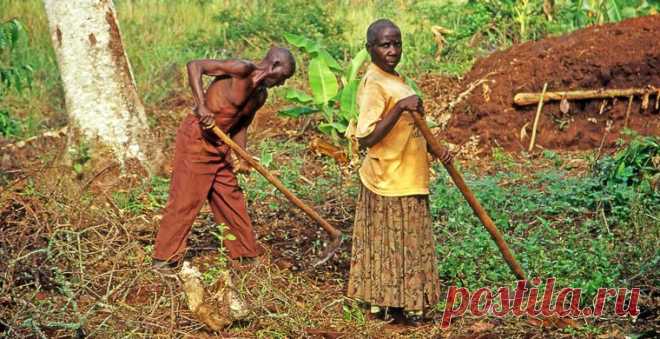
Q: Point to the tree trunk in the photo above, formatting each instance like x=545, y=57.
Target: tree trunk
x=106, y=117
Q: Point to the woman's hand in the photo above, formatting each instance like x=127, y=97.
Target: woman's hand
x=445, y=156
x=411, y=103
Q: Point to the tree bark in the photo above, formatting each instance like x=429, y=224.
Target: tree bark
x=105, y=112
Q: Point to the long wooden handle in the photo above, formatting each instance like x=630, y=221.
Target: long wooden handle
x=333, y=232
x=437, y=149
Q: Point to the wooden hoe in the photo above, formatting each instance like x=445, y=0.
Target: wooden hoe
x=479, y=211
x=469, y=196
x=335, y=234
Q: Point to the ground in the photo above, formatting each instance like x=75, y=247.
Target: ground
x=76, y=252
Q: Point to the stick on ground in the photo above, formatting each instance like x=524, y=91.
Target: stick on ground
x=630, y=100
x=523, y=99
x=536, y=119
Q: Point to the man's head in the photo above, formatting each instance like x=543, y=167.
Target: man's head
x=281, y=66
x=384, y=44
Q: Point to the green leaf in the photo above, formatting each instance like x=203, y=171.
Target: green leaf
x=297, y=96
x=266, y=158
x=322, y=81
x=16, y=28
x=301, y=42
x=355, y=65
x=18, y=84
x=28, y=75
x=613, y=11
x=230, y=237
x=329, y=60
x=297, y=111
x=3, y=40
x=327, y=128
x=348, y=100
x=296, y=40
x=431, y=123
x=627, y=12
x=5, y=77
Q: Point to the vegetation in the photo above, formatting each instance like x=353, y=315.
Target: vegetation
x=577, y=228
x=161, y=36
x=326, y=95
x=14, y=72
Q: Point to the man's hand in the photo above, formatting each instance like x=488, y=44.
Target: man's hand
x=206, y=117
x=446, y=157
x=411, y=103
x=242, y=167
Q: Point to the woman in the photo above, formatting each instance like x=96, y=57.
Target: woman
x=393, y=261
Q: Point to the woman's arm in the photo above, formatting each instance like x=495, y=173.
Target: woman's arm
x=411, y=103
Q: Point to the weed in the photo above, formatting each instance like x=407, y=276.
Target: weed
x=501, y=156
x=552, y=156
x=352, y=312
x=221, y=263
x=289, y=173
x=558, y=225
x=80, y=157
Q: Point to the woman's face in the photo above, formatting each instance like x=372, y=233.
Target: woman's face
x=386, y=50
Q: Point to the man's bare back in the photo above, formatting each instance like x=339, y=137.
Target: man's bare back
x=238, y=91
x=232, y=115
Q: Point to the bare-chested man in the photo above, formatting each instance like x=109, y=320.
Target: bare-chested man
x=202, y=163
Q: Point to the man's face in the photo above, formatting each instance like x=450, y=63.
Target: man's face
x=386, y=50
x=277, y=76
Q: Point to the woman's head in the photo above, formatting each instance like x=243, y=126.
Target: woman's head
x=384, y=44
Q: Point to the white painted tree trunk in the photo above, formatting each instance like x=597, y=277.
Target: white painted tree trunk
x=101, y=99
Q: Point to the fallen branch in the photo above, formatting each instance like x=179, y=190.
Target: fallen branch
x=522, y=99
x=55, y=134
x=469, y=90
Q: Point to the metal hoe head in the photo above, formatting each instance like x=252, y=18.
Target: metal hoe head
x=333, y=246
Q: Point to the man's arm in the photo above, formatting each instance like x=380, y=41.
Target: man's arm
x=411, y=103
x=197, y=68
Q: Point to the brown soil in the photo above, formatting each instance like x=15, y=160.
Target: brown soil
x=612, y=56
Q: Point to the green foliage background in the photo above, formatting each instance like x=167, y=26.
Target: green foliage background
x=162, y=35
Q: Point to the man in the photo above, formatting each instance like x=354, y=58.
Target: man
x=202, y=165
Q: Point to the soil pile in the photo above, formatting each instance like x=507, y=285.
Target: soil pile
x=612, y=56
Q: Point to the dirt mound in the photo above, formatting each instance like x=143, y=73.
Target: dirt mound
x=613, y=56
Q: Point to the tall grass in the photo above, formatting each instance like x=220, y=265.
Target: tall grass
x=160, y=36
x=44, y=102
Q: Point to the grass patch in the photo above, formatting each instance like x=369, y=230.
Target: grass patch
x=584, y=230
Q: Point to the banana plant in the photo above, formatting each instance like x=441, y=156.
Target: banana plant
x=335, y=100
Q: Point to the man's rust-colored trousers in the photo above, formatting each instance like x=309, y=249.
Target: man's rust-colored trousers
x=203, y=171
